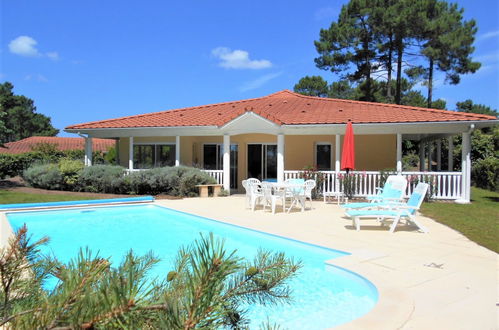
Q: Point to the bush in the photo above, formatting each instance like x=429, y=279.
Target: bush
x=103, y=179
x=174, y=181
x=14, y=165
x=70, y=170
x=485, y=173
x=45, y=176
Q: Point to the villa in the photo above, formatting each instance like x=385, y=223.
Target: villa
x=276, y=136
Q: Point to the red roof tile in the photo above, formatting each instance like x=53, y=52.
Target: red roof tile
x=61, y=143
x=288, y=108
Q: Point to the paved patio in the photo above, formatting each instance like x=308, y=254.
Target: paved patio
x=439, y=280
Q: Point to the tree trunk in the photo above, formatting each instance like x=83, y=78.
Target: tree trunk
x=389, y=68
x=400, y=51
x=430, y=83
x=368, y=70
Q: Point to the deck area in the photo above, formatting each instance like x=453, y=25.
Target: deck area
x=439, y=280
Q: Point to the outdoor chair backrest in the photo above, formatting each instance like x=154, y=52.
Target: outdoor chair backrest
x=309, y=186
x=417, y=197
x=253, y=185
x=394, y=187
x=267, y=189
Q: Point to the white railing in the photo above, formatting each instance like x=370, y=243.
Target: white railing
x=446, y=185
x=217, y=174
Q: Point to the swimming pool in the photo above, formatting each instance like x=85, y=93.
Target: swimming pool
x=324, y=296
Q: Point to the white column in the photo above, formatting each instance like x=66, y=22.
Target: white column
x=130, y=153
x=450, y=154
x=177, y=151
x=439, y=155
x=280, y=158
x=430, y=150
x=88, y=151
x=226, y=162
x=337, y=153
x=421, y=156
x=399, y=153
x=466, y=168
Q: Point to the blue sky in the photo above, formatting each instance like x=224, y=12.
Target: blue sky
x=90, y=60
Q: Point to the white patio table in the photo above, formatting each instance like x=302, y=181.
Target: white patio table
x=295, y=191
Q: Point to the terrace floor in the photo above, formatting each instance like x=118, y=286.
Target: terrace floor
x=440, y=280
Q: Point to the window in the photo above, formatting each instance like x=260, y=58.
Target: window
x=153, y=155
x=323, y=156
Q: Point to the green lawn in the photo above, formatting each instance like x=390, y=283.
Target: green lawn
x=12, y=197
x=479, y=221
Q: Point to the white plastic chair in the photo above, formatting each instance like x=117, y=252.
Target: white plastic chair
x=309, y=186
x=256, y=194
x=270, y=197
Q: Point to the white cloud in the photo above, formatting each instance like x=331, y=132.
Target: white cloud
x=36, y=77
x=238, y=59
x=53, y=56
x=24, y=46
x=488, y=35
x=259, y=82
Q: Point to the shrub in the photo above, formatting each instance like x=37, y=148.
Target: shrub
x=13, y=165
x=45, y=176
x=70, y=170
x=174, y=181
x=103, y=179
x=485, y=173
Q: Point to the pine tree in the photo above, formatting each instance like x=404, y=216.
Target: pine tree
x=207, y=288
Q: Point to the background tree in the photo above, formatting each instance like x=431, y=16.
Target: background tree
x=447, y=43
x=350, y=43
x=18, y=117
x=469, y=106
x=312, y=86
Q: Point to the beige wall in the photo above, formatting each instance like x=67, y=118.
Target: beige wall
x=372, y=152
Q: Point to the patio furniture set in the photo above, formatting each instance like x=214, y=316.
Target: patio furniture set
x=388, y=204
x=268, y=194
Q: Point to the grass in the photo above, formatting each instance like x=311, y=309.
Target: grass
x=13, y=197
x=479, y=221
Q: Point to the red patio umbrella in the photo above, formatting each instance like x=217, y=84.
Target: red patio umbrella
x=348, y=152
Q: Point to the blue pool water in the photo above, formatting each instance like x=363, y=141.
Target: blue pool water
x=323, y=296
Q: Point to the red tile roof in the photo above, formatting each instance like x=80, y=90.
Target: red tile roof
x=61, y=143
x=288, y=108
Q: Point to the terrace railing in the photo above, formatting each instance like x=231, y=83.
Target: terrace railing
x=445, y=185
x=217, y=174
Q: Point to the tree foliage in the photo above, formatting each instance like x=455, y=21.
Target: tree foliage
x=469, y=106
x=312, y=86
x=18, y=117
x=207, y=288
x=371, y=39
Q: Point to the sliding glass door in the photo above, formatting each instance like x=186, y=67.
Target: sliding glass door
x=262, y=161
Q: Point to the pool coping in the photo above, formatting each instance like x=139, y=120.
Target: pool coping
x=391, y=311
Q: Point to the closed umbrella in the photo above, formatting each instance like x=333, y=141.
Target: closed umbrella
x=348, y=152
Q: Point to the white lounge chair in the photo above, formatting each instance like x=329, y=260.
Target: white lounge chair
x=393, y=191
x=395, y=211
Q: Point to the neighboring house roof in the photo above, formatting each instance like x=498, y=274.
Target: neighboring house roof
x=61, y=143
x=287, y=108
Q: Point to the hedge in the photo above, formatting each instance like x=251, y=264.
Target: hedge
x=70, y=175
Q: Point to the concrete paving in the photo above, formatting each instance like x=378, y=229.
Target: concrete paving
x=439, y=280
